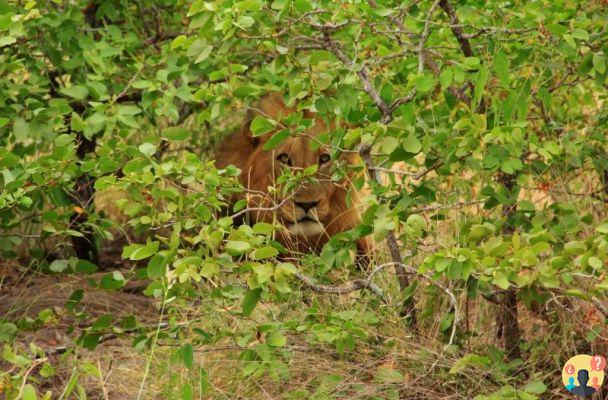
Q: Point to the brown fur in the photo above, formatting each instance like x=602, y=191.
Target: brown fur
x=260, y=168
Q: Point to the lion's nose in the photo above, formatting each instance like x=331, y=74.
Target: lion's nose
x=306, y=205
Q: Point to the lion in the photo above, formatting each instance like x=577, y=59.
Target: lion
x=315, y=211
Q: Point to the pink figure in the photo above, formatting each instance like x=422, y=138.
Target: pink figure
x=595, y=384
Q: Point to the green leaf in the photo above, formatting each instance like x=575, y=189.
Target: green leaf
x=501, y=65
x=29, y=393
x=599, y=62
x=264, y=252
x=250, y=5
x=176, y=134
x=424, y=83
x=238, y=246
x=245, y=21
x=500, y=280
x=446, y=77
x=595, y=263
x=472, y=63
x=21, y=130
x=287, y=268
x=575, y=293
x=204, y=383
x=147, y=148
x=8, y=331
x=260, y=125
x=579, y=33
x=76, y=92
x=512, y=165
x=204, y=54
x=128, y=110
x=603, y=228
x=187, y=392
x=156, y=266
x=139, y=252
x=536, y=387
x=411, y=144
x=263, y=228
x=276, y=339
x=303, y=5
x=58, y=265
x=250, y=301
x=276, y=139
x=263, y=272
x=188, y=356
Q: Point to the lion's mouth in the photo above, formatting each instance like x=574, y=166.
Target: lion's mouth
x=305, y=226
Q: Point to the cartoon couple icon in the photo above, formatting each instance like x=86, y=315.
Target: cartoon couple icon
x=583, y=389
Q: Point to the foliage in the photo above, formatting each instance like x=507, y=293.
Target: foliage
x=466, y=112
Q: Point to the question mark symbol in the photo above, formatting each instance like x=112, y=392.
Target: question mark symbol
x=598, y=363
x=569, y=369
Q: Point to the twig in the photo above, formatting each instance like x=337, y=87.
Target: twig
x=495, y=29
x=456, y=28
x=273, y=208
x=601, y=307
x=348, y=287
x=465, y=45
x=448, y=206
x=414, y=176
x=425, y=34
x=35, y=363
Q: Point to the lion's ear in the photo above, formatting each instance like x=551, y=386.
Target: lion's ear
x=246, y=136
x=273, y=106
x=269, y=106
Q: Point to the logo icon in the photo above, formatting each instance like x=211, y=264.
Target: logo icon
x=583, y=375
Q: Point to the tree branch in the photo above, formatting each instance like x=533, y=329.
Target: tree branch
x=348, y=287
x=456, y=28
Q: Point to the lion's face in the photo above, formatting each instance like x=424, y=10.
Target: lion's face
x=313, y=211
x=306, y=212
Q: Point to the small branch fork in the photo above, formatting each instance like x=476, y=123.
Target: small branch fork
x=348, y=287
x=269, y=209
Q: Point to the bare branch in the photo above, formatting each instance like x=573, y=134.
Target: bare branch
x=494, y=29
x=456, y=28
x=448, y=206
x=601, y=307
x=273, y=208
x=425, y=35
x=348, y=287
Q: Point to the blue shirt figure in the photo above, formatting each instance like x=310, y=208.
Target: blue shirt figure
x=582, y=389
x=570, y=384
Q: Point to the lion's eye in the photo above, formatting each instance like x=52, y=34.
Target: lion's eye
x=284, y=159
x=324, y=159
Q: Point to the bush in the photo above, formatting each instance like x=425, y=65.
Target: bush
x=482, y=131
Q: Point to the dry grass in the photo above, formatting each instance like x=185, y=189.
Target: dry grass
x=316, y=370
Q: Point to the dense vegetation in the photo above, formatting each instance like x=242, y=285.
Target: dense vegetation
x=481, y=127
